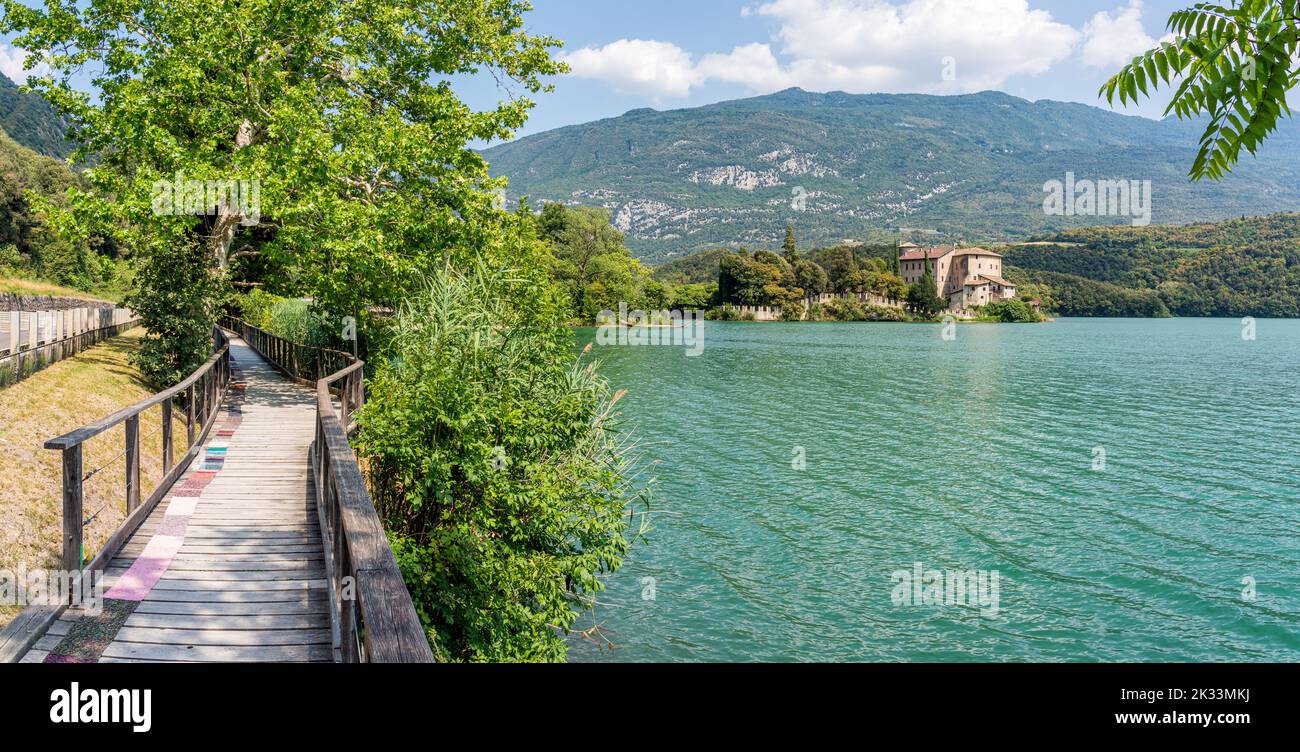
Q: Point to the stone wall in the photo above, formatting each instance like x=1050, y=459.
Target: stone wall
x=759, y=313
x=866, y=298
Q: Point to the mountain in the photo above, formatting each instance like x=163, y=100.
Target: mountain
x=31, y=121
x=970, y=167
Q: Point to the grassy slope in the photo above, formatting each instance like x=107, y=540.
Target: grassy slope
x=64, y=396
x=30, y=287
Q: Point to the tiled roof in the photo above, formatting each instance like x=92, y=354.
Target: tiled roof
x=917, y=253
x=920, y=253
x=977, y=252
x=997, y=280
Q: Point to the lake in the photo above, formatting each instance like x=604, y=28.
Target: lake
x=1130, y=485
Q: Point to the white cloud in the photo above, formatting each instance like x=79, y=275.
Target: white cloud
x=753, y=65
x=856, y=46
x=637, y=66
x=1113, y=39
x=872, y=45
x=11, y=64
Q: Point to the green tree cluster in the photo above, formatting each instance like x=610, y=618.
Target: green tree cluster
x=342, y=112
x=764, y=278
x=39, y=251
x=1241, y=267
x=592, y=265
x=1014, y=311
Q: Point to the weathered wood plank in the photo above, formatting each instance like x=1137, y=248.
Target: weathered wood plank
x=319, y=606
x=221, y=595
x=258, y=637
x=243, y=622
x=221, y=653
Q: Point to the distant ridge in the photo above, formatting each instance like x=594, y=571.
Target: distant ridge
x=32, y=121
x=971, y=166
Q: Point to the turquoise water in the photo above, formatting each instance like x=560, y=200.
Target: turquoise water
x=981, y=453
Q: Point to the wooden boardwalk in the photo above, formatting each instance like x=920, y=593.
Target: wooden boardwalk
x=230, y=566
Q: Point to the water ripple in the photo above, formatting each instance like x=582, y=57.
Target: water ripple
x=975, y=454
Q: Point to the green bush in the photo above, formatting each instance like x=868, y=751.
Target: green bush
x=850, y=309
x=844, y=309
x=10, y=258
x=691, y=297
x=297, y=321
x=496, y=464
x=254, y=307
x=1014, y=311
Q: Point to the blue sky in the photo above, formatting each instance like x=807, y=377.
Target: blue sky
x=668, y=54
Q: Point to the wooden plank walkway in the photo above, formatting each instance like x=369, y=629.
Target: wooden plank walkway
x=248, y=582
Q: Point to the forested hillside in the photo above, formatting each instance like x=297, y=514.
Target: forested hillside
x=29, y=248
x=31, y=121
x=1248, y=266
x=1242, y=267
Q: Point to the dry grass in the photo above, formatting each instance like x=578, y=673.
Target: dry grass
x=69, y=394
x=32, y=287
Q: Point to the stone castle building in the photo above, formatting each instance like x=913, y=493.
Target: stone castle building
x=966, y=277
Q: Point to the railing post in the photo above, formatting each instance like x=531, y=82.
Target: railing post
x=189, y=417
x=207, y=396
x=72, y=508
x=167, y=451
x=200, y=409
x=132, y=463
x=351, y=651
x=346, y=416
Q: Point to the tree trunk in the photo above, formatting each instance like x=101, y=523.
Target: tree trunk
x=228, y=217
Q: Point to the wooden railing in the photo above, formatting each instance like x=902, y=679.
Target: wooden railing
x=299, y=362
x=203, y=392
x=200, y=395
x=373, y=617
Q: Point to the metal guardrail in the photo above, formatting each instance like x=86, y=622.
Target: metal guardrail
x=19, y=359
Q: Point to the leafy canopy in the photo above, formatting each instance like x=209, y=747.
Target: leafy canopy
x=1234, y=64
x=342, y=109
x=593, y=265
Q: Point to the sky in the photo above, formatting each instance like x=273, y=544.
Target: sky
x=668, y=54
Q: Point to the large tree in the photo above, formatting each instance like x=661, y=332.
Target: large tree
x=1233, y=63
x=343, y=111
x=591, y=261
